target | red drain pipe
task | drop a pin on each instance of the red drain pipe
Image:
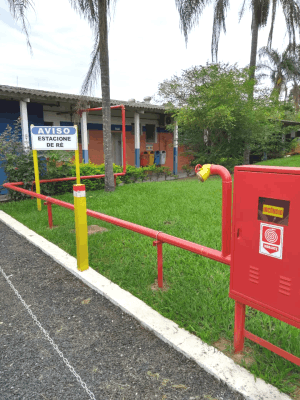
(226, 206)
(123, 129)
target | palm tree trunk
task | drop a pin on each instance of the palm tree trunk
(105, 87)
(253, 54)
(296, 95)
(254, 28)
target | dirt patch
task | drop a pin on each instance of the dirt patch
(155, 286)
(296, 395)
(93, 229)
(226, 346)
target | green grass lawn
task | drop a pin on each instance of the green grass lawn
(293, 161)
(197, 296)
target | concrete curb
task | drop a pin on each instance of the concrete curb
(207, 357)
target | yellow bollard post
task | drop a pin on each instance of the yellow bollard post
(37, 178)
(81, 227)
(77, 164)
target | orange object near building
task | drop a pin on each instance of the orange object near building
(144, 159)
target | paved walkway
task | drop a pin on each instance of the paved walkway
(113, 354)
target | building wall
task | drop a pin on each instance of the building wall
(164, 142)
(61, 114)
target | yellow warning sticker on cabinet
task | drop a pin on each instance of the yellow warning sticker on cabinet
(273, 211)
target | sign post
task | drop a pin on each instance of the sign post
(53, 138)
(77, 160)
(81, 227)
(37, 178)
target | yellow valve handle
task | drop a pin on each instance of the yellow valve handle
(204, 172)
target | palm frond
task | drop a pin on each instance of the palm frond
(93, 74)
(272, 55)
(291, 10)
(189, 13)
(18, 9)
(242, 10)
(88, 9)
(219, 24)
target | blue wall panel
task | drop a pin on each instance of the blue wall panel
(9, 113)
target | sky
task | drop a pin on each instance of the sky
(146, 46)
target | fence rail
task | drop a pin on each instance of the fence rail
(158, 236)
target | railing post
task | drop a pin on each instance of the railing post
(81, 227)
(158, 244)
(239, 327)
(49, 207)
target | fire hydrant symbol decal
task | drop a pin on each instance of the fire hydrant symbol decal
(271, 240)
(271, 235)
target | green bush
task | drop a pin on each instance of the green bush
(134, 174)
(16, 162)
(85, 170)
(227, 162)
(230, 162)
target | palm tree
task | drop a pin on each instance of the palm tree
(283, 68)
(190, 11)
(295, 91)
(96, 13)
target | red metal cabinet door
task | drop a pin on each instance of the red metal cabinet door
(257, 278)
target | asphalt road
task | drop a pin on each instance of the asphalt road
(112, 353)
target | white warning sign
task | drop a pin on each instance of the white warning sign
(54, 137)
(271, 240)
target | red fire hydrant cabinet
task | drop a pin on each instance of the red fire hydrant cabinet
(265, 267)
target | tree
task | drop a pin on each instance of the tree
(190, 11)
(217, 116)
(283, 68)
(96, 13)
(295, 91)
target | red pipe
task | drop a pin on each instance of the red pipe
(163, 237)
(226, 206)
(39, 196)
(100, 108)
(73, 178)
(124, 138)
(157, 235)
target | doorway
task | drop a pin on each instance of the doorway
(117, 148)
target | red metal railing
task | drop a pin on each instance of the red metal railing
(224, 256)
(158, 236)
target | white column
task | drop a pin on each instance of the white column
(137, 138)
(24, 124)
(175, 149)
(84, 138)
